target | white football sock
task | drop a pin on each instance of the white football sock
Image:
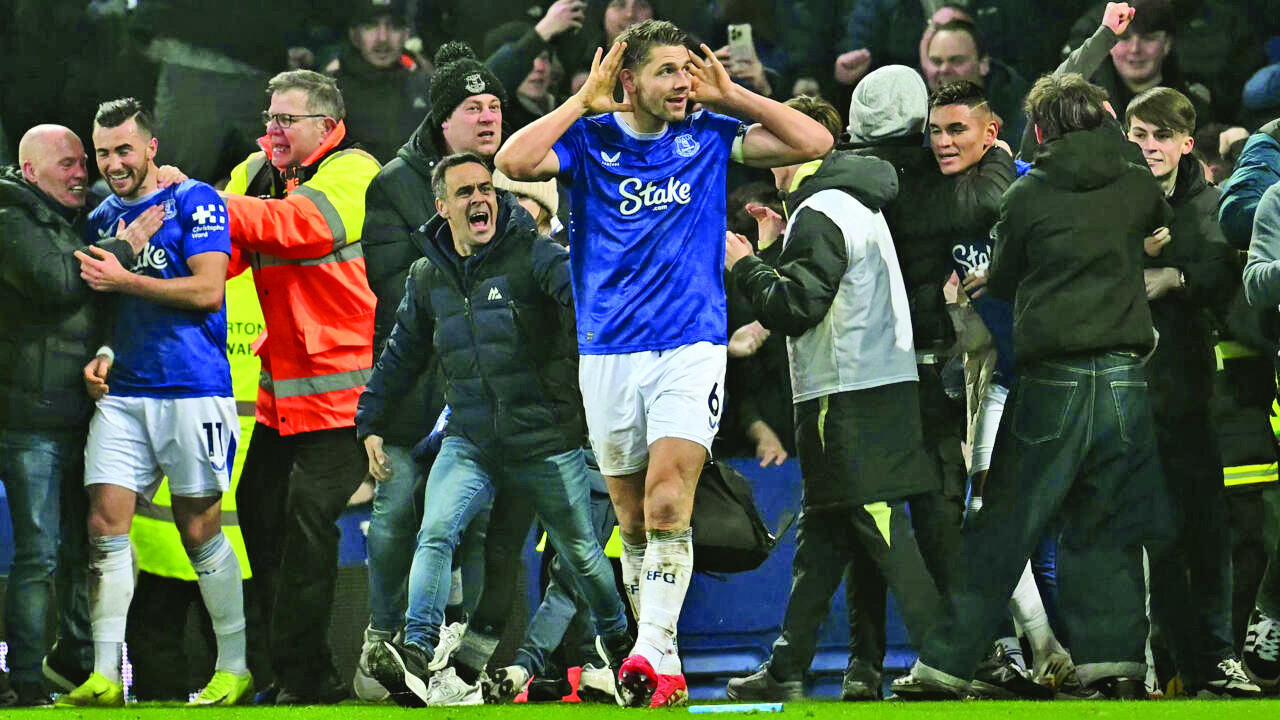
(632, 565)
(110, 592)
(1029, 613)
(664, 580)
(218, 573)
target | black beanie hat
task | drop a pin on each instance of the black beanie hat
(458, 76)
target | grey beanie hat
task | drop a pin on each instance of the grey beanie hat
(889, 102)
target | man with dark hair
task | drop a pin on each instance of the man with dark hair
(955, 52)
(1189, 275)
(648, 229)
(385, 92)
(525, 58)
(1077, 439)
(466, 116)
(294, 212)
(492, 298)
(54, 325)
(170, 410)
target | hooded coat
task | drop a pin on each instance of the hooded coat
(837, 293)
(887, 115)
(1068, 250)
(398, 201)
(501, 325)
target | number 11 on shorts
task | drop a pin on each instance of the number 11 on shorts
(209, 429)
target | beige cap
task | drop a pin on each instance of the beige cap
(545, 193)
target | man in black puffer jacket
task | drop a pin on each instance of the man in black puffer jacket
(1189, 274)
(53, 325)
(398, 202)
(492, 300)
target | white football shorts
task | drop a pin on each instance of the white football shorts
(633, 399)
(136, 441)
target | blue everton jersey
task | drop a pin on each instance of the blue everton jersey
(163, 351)
(646, 231)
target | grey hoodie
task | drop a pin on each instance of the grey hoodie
(889, 102)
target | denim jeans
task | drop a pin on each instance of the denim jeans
(43, 474)
(393, 524)
(1076, 445)
(463, 481)
(563, 607)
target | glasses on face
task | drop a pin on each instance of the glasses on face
(284, 120)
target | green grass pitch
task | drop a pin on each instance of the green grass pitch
(818, 710)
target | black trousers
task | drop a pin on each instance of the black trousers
(291, 493)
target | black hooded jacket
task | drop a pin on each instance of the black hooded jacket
(398, 201)
(1068, 250)
(54, 322)
(1181, 370)
(501, 324)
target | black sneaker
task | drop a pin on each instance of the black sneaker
(329, 691)
(999, 677)
(63, 670)
(8, 696)
(1110, 688)
(861, 682)
(402, 670)
(1261, 654)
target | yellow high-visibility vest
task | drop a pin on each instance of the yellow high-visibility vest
(154, 535)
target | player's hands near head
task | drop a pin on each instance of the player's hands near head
(379, 463)
(102, 271)
(596, 94)
(736, 247)
(1117, 17)
(711, 81)
(138, 233)
(95, 376)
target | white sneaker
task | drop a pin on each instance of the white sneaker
(450, 638)
(597, 684)
(446, 688)
(366, 687)
(1232, 681)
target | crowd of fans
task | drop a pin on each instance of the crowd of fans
(1002, 325)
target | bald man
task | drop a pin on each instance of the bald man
(51, 330)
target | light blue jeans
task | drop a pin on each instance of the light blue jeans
(463, 482)
(43, 474)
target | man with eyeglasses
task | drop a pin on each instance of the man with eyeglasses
(296, 210)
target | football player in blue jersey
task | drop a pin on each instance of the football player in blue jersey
(170, 410)
(647, 241)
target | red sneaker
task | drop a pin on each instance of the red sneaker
(672, 691)
(636, 681)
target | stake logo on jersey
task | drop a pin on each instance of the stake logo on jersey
(647, 231)
(163, 351)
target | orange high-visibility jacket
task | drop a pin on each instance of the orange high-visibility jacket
(301, 235)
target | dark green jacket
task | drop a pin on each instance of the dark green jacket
(52, 321)
(1068, 250)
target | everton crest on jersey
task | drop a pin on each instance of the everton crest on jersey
(163, 351)
(646, 231)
